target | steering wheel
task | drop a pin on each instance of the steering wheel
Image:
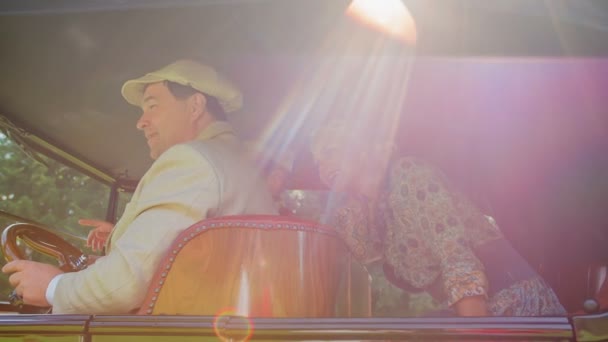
(43, 240)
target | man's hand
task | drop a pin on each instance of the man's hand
(92, 258)
(97, 237)
(30, 280)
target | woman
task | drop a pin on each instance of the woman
(429, 238)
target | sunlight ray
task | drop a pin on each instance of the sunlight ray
(360, 75)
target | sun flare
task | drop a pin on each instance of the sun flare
(388, 16)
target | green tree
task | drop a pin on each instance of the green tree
(47, 192)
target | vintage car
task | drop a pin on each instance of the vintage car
(507, 97)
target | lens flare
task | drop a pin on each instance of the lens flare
(230, 315)
(388, 16)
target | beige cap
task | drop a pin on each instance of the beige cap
(189, 73)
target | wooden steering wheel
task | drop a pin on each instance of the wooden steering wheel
(43, 240)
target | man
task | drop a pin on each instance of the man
(200, 171)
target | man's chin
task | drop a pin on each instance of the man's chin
(157, 151)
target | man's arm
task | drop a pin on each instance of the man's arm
(176, 192)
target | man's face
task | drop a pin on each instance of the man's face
(166, 120)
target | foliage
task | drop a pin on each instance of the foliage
(50, 193)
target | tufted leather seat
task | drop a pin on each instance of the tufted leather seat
(262, 266)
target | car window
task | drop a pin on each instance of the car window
(123, 199)
(41, 189)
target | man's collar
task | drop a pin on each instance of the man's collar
(214, 129)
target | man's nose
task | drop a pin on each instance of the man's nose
(142, 123)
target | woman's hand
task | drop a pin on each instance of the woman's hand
(97, 237)
(471, 306)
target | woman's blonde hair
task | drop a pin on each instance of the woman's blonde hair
(339, 131)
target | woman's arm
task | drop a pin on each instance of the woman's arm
(431, 215)
(471, 306)
(352, 223)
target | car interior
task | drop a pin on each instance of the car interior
(507, 97)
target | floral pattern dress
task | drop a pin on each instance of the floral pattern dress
(430, 238)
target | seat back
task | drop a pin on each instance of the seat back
(259, 266)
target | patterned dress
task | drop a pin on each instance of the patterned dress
(429, 238)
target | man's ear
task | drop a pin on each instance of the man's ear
(197, 105)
